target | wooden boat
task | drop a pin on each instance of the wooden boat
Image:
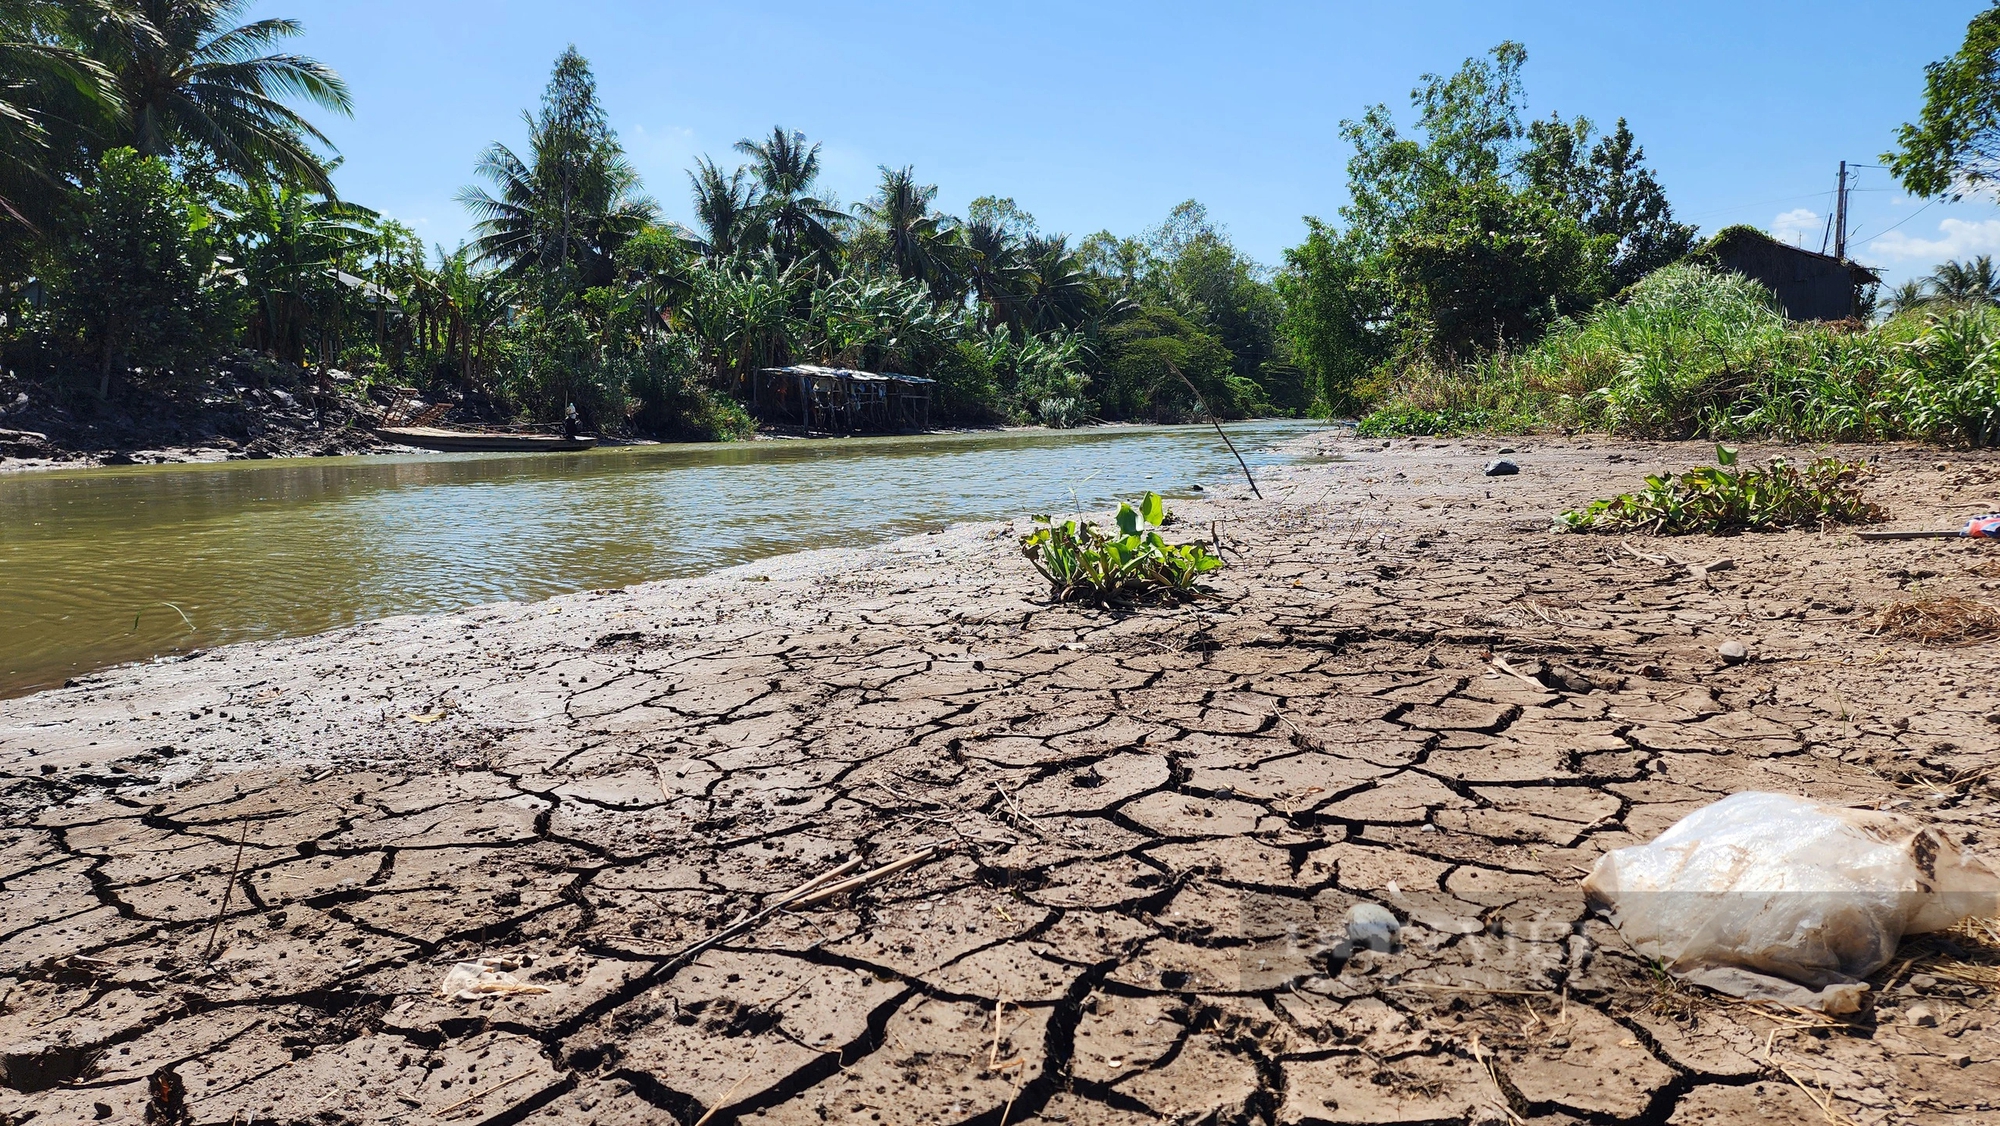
(438, 438)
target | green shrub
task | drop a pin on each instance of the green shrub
(131, 290)
(1403, 420)
(967, 387)
(1690, 351)
(1715, 499)
(1060, 413)
(673, 400)
(1084, 563)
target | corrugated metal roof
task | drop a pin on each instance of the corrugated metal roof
(822, 371)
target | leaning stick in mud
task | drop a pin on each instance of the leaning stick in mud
(1258, 493)
(228, 889)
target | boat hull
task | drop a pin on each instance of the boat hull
(466, 441)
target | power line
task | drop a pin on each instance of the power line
(1905, 219)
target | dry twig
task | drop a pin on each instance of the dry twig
(477, 1095)
(228, 890)
(1020, 818)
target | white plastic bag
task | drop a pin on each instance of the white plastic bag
(1785, 899)
(488, 977)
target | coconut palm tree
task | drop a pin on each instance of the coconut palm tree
(186, 72)
(916, 240)
(994, 270)
(724, 210)
(1907, 296)
(51, 95)
(564, 210)
(528, 227)
(1060, 294)
(1969, 283)
(800, 225)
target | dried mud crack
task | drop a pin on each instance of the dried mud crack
(1405, 691)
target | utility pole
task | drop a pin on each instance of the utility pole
(1840, 218)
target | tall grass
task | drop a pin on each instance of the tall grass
(1690, 351)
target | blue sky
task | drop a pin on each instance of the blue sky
(1106, 114)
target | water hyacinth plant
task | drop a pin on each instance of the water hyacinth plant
(1085, 563)
(1712, 500)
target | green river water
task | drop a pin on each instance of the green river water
(98, 567)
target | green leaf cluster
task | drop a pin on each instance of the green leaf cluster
(1134, 563)
(134, 273)
(1713, 500)
(1954, 145)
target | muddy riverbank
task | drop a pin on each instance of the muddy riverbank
(255, 867)
(252, 412)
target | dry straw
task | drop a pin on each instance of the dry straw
(1940, 621)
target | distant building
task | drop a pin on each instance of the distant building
(1809, 286)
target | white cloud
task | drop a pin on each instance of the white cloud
(1957, 238)
(1798, 225)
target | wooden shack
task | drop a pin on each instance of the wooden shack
(1809, 286)
(832, 400)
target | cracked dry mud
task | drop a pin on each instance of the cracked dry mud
(1136, 810)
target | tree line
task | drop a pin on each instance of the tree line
(166, 213)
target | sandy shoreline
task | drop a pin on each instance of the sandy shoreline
(1132, 810)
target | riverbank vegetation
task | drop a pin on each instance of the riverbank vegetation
(1691, 351)
(1576, 302)
(1713, 500)
(170, 234)
(169, 219)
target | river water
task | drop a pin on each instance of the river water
(104, 566)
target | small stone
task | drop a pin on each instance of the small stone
(1959, 1059)
(1373, 926)
(1504, 450)
(1922, 1016)
(1733, 652)
(1501, 467)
